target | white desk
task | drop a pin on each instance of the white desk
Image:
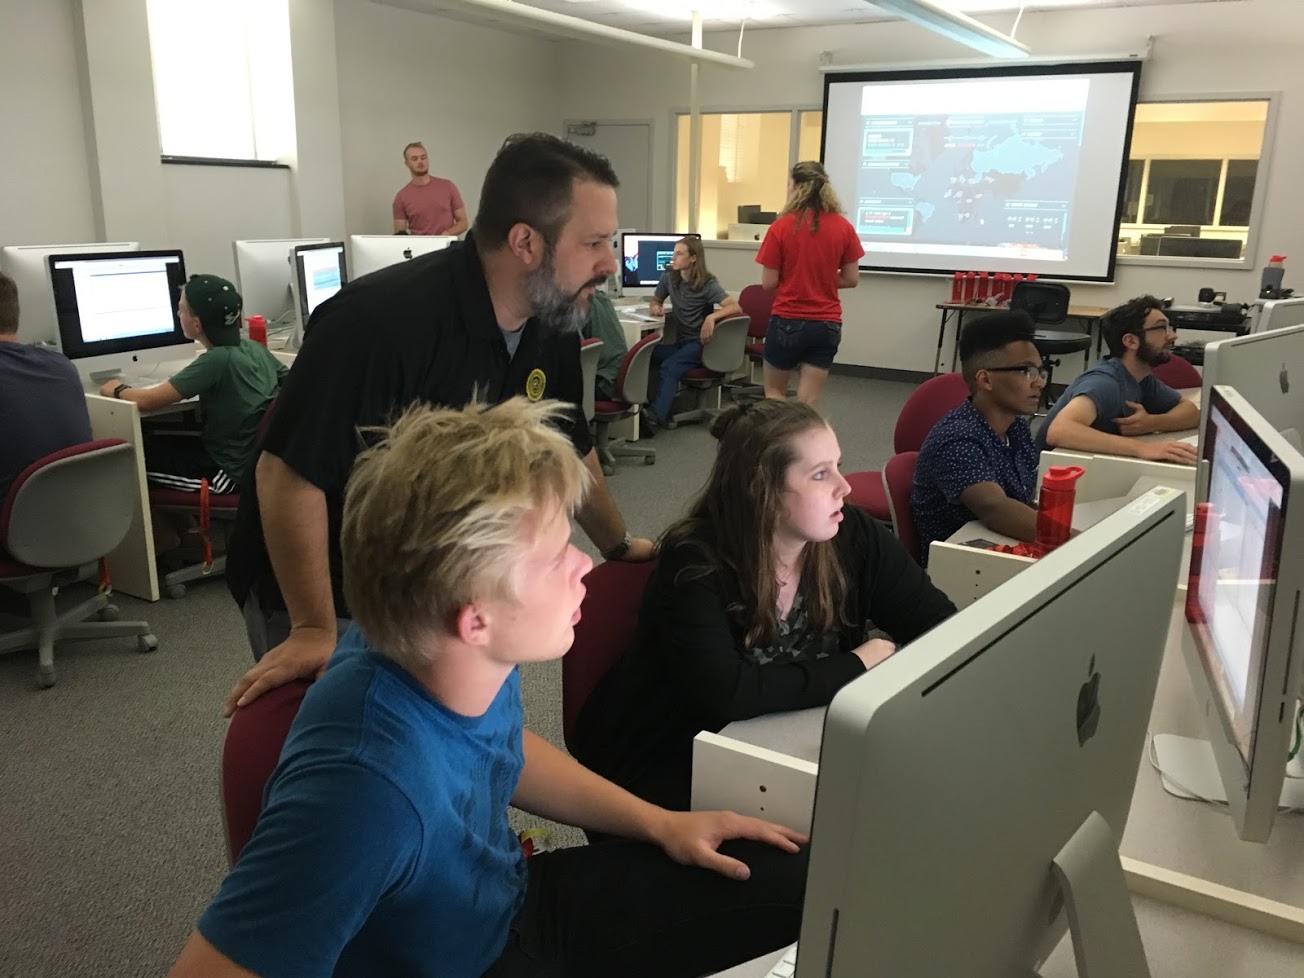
(1188, 837)
(132, 565)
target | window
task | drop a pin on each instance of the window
(222, 84)
(745, 159)
(1191, 178)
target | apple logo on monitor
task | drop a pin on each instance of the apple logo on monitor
(407, 254)
(1089, 705)
(1284, 379)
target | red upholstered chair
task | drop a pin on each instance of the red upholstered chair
(1177, 372)
(898, 477)
(605, 631)
(756, 303)
(721, 357)
(60, 516)
(925, 406)
(631, 394)
(249, 755)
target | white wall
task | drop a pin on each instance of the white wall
(43, 163)
(460, 88)
(1200, 49)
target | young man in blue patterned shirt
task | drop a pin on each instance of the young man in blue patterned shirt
(979, 462)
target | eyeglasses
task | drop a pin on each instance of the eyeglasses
(1029, 371)
(1165, 326)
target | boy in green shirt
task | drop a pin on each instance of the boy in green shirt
(235, 379)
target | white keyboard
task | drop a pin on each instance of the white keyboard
(785, 966)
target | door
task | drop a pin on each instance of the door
(628, 145)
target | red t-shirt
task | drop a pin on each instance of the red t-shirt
(428, 209)
(808, 264)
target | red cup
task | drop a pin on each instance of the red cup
(257, 329)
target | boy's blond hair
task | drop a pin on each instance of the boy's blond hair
(437, 514)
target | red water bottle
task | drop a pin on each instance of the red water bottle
(957, 287)
(1002, 291)
(1055, 507)
(970, 290)
(257, 329)
(982, 287)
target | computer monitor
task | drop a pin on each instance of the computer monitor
(319, 273)
(263, 273)
(371, 252)
(1242, 607)
(972, 780)
(643, 257)
(1268, 371)
(29, 267)
(118, 311)
(1278, 314)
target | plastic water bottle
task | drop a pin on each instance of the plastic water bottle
(257, 329)
(1055, 506)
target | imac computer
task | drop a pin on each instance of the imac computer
(973, 788)
(29, 267)
(643, 257)
(1242, 608)
(117, 312)
(319, 273)
(263, 273)
(1278, 314)
(371, 252)
(612, 287)
(1268, 371)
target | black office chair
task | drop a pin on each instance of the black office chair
(1048, 304)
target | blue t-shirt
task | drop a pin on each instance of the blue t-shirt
(383, 848)
(961, 451)
(1110, 387)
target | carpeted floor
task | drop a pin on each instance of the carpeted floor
(110, 826)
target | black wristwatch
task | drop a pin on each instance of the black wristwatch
(619, 550)
(117, 391)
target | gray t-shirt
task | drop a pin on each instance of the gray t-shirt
(1110, 387)
(691, 306)
(42, 406)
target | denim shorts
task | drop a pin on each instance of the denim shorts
(792, 342)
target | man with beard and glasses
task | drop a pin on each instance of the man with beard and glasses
(1107, 406)
(490, 318)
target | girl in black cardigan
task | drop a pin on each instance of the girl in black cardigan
(769, 596)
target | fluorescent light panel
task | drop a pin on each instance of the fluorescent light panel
(956, 26)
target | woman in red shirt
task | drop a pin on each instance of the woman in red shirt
(809, 253)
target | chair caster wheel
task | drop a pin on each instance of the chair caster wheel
(109, 612)
(45, 677)
(146, 643)
(608, 470)
(176, 591)
(649, 460)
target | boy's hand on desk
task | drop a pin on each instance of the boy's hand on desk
(109, 386)
(1177, 452)
(692, 838)
(655, 308)
(301, 656)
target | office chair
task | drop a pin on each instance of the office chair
(1177, 372)
(756, 303)
(608, 621)
(631, 394)
(590, 354)
(925, 406)
(252, 747)
(721, 357)
(1048, 304)
(898, 478)
(61, 515)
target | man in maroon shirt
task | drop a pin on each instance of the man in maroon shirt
(426, 204)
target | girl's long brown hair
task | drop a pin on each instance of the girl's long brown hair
(732, 521)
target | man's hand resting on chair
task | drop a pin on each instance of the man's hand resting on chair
(301, 656)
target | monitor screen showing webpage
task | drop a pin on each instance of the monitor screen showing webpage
(112, 303)
(1234, 584)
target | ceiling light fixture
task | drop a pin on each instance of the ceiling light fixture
(955, 25)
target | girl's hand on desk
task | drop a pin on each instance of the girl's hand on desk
(692, 838)
(874, 651)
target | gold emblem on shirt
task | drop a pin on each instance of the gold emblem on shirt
(535, 384)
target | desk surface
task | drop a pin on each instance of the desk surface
(1077, 312)
(1186, 836)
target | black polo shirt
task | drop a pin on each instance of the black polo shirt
(420, 331)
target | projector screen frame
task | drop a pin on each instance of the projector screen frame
(1003, 70)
